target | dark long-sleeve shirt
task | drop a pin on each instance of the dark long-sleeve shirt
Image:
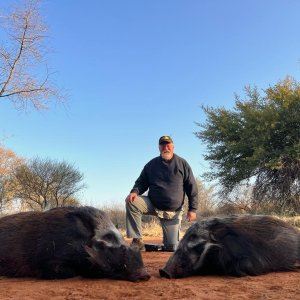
(168, 182)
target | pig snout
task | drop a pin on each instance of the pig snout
(164, 273)
(140, 275)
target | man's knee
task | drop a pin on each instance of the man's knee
(140, 205)
(132, 207)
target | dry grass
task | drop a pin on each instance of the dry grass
(150, 229)
(153, 228)
(295, 221)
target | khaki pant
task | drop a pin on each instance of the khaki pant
(170, 221)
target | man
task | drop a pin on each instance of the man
(167, 178)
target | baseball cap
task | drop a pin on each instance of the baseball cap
(165, 139)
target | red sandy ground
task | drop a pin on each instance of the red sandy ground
(283, 285)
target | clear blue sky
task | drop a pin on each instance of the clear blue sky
(135, 70)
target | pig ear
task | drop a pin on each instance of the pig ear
(217, 230)
(206, 249)
(95, 251)
(95, 247)
(91, 252)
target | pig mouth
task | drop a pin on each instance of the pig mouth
(172, 274)
(141, 277)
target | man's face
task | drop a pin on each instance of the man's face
(166, 150)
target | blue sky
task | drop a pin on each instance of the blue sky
(135, 70)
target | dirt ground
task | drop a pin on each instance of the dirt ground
(284, 285)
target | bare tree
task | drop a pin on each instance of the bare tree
(43, 184)
(206, 201)
(24, 75)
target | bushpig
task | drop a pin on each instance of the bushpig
(236, 246)
(66, 242)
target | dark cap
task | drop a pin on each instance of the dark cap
(165, 139)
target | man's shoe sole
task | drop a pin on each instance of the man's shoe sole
(157, 247)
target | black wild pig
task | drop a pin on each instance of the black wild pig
(235, 246)
(66, 242)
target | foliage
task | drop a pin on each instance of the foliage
(43, 184)
(8, 162)
(259, 140)
(24, 75)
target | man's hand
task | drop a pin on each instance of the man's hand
(131, 197)
(191, 216)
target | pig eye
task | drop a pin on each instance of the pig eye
(212, 237)
(109, 237)
(123, 267)
(193, 238)
(193, 241)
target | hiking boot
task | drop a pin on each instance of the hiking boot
(138, 243)
(169, 248)
(153, 247)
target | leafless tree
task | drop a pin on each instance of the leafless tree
(206, 201)
(24, 75)
(43, 184)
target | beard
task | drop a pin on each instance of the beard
(166, 155)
